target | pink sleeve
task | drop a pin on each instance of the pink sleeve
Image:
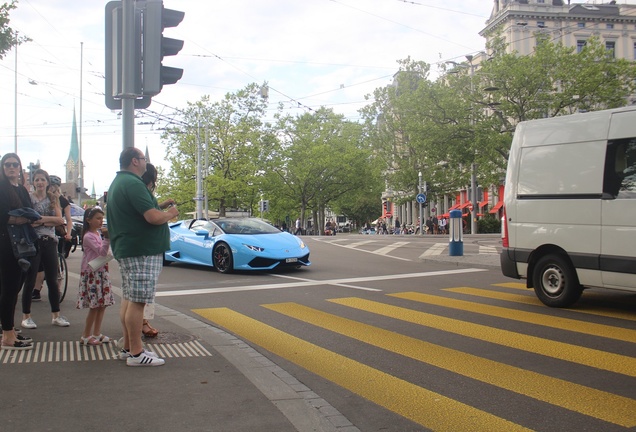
(94, 246)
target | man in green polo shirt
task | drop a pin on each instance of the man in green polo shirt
(139, 236)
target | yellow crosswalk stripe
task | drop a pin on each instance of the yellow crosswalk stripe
(515, 285)
(429, 409)
(563, 351)
(596, 403)
(577, 326)
(532, 300)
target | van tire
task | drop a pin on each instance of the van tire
(555, 281)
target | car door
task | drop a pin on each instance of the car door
(618, 254)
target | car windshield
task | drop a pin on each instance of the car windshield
(245, 226)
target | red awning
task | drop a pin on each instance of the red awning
(483, 203)
(454, 207)
(466, 204)
(496, 208)
(445, 215)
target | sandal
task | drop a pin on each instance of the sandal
(151, 331)
(102, 338)
(91, 340)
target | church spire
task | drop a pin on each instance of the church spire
(74, 153)
(73, 162)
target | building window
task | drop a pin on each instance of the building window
(609, 26)
(634, 50)
(580, 25)
(611, 47)
(541, 24)
(540, 1)
(580, 44)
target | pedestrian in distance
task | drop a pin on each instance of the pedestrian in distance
(397, 226)
(139, 237)
(299, 231)
(13, 196)
(95, 292)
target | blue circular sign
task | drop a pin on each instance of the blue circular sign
(420, 198)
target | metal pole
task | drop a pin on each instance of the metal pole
(81, 164)
(207, 171)
(199, 197)
(15, 101)
(128, 74)
(473, 175)
(473, 198)
(419, 176)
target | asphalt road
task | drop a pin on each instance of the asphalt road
(398, 338)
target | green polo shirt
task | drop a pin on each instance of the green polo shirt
(130, 234)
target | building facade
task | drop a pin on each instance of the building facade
(572, 24)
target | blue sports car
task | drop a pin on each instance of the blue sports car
(229, 244)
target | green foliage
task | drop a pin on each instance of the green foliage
(488, 224)
(8, 37)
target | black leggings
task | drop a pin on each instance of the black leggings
(47, 256)
(11, 280)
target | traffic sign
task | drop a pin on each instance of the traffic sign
(388, 214)
(421, 198)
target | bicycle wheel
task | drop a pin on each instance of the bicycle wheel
(62, 276)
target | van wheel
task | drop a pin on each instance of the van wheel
(555, 282)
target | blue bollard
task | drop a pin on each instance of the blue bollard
(455, 234)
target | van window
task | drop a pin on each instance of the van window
(620, 169)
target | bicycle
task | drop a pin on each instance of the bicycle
(62, 275)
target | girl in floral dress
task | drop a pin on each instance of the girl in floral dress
(94, 289)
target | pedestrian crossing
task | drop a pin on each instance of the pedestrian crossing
(379, 247)
(513, 356)
(74, 351)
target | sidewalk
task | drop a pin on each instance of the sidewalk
(489, 260)
(211, 381)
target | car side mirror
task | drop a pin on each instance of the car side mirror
(202, 233)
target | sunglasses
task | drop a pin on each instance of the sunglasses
(12, 164)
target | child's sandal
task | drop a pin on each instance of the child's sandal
(102, 338)
(91, 340)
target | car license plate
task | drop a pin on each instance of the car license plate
(291, 260)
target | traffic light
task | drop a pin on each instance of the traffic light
(386, 207)
(264, 205)
(32, 168)
(155, 47)
(113, 44)
(105, 197)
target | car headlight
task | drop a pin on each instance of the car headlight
(254, 248)
(301, 244)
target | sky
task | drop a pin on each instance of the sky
(312, 53)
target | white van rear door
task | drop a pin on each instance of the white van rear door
(618, 214)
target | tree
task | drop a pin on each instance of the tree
(8, 37)
(234, 139)
(320, 158)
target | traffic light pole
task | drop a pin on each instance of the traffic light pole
(128, 73)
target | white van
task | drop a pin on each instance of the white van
(570, 205)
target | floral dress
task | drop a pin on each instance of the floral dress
(95, 290)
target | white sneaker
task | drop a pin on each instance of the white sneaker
(29, 324)
(124, 354)
(60, 321)
(144, 359)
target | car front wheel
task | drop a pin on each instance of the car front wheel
(222, 258)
